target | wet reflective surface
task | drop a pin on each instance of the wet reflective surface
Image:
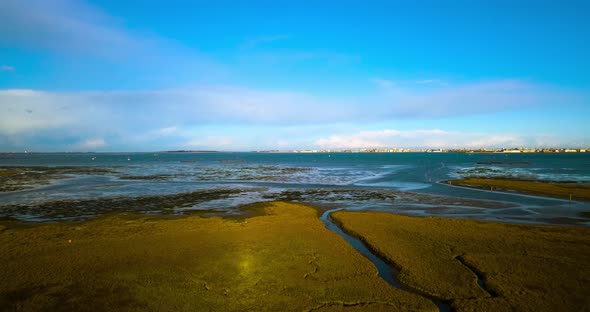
(53, 187)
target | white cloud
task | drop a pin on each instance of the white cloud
(93, 143)
(26, 111)
(166, 131)
(158, 109)
(471, 98)
(429, 138)
(147, 116)
(214, 141)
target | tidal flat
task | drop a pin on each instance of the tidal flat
(17, 178)
(479, 265)
(282, 259)
(563, 190)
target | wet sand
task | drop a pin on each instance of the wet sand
(552, 189)
(482, 266)
(283, 258)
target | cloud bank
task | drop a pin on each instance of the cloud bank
(93, 143)
(231, 104)
(431, 138)
(173, 117)
(140, 116)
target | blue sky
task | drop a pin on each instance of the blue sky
(242, 75)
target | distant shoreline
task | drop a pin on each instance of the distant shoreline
(552, 151)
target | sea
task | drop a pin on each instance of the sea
(405, 183)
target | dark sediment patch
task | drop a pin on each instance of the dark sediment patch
(156, 177)
(416, 198)
(327, 195)
(22, 178)
(76, 208)
(573, 221)
(315, 195)
(73, 209)
(506, 163)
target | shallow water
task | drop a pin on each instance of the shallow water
(397, 182)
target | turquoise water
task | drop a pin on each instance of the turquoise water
(398, 182)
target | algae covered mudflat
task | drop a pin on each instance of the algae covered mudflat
(482, 266)
(572, 191)
(284, 259)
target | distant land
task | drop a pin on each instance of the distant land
(428, 150)
(190, 151)
(362, 150)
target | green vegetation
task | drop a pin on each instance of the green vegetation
(284, 259)
(519, 267)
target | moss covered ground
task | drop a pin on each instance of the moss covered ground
(482, 266)
(281, 260)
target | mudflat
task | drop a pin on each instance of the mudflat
(574, 191)
(482, 266)
(282, 259)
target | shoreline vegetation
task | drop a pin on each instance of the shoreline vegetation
(282, 257)
(561, 190)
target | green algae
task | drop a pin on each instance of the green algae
(564, 190)
(284, 259)
(482, 266)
